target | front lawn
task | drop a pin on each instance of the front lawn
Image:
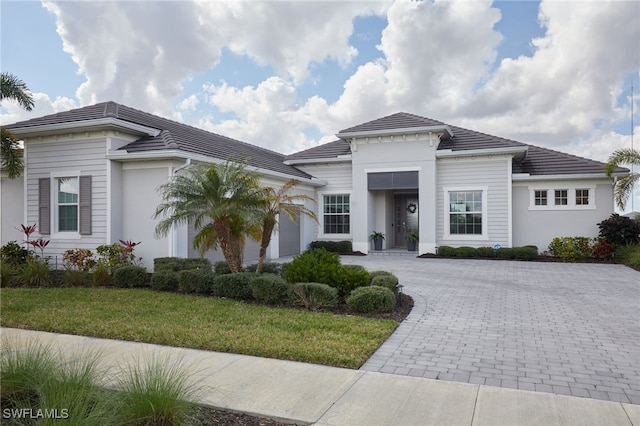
(197, 322)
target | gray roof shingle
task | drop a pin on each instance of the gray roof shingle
(538, 161)
(173, 135)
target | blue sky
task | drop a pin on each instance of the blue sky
(289, 75)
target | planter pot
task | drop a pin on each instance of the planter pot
(412, 245)
(377, 244)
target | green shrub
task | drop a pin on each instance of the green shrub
(174, 264)
(197, 263)
(525, 253)
(9, 275)
(388, 281)
(485, 252)
(633, 260)
(199, 281)
(315, 295)
(164, 280)
(271, 289)
(446, 251)
(101, 275)
(12, 253)
(372, 299)
(267, 268)
(571, 248)
(319, 266)
(283, 268)
(348, 279)
(234, 286)
(374, 274)
(130, 277)
(221, 268)
(629, 255)
(465, 251)
(341, 247)
(620, 230)
(75, 278)
(506, 253)
(35, 273)
(80, 259)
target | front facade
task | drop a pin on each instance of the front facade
(91, 177)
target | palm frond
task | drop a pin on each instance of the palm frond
(12, 88)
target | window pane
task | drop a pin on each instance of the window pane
(582, 197)
(561, 198)
(68, 190)
(465, 212)
(67, 218)
(336, 214)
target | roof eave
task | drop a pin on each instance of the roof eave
(523, 177)
(95, 124)
(440, 128)
(173, 154)
(338, 159)
(519, 152)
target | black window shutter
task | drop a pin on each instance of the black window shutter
(44, 206)
(85, 205)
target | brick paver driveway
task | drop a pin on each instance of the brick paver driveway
(571, 329)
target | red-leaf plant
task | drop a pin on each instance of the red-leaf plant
(28, 230)
(40, 243)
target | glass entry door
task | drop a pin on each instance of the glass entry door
(406, 217)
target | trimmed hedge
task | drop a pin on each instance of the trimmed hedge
(165, 280)
(130, 277)
(197, 281)
(342, 247)
(221, 267)
(315, 295)
(234, 286)
(374, 274)
(176, 264)
(271, 289)
(267, 268)
(519, 253)
(372, 299)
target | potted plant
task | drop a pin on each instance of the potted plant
(377, 238)
(412, 240)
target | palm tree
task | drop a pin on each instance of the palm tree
(12, 88)
(278, 202)
(221, 201)
(624, 185)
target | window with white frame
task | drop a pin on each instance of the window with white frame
(582, 197)
(67, 201)
(465, 213)
(561, 197)
(540, 197)
(336, 214)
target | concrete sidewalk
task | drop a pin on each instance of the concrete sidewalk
(313, 394)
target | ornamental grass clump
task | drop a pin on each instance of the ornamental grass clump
(315, 295)
(155, 392)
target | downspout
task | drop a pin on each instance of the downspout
(174, 230)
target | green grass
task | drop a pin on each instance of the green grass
(197, 322)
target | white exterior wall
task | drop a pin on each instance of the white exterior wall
(59, 155)
(339, 179)
(411, 152)
(536, 226)
(492, 175)
(140, 198)
(11, 209)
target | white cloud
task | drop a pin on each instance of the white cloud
(43, 105)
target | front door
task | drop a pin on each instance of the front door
(406, 217)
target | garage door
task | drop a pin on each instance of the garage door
(289, 236)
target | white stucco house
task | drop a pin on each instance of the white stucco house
(91, 177)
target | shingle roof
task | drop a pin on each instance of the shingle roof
(328, 150)
(173, 135)
(539, 161)
(399, 120)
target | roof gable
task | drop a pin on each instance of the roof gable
(172, 136)
(400, 120)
